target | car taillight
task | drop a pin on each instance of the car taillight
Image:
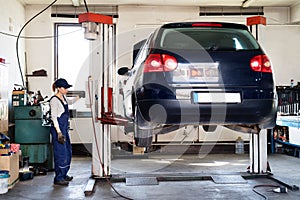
(261, 63)
(160, 63)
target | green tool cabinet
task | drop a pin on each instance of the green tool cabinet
(33, 138)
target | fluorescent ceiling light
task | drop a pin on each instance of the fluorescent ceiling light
(76, 2)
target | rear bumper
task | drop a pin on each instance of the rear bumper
(183, 112)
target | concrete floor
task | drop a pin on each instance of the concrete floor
(284, 167)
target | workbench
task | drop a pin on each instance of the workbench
(286, 135)
(32, 136)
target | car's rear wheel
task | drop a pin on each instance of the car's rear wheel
(142, 137)
(209, 128)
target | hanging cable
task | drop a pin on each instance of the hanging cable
(19, 35)
(39, 37)
(86, 7)
(97, 145)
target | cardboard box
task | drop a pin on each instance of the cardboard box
(3, 125)
(138, 150)
(11, 164)
(4, 151)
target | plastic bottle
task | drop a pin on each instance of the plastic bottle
(292, 83)
(4, 176)
(39, 96)
(239, 146)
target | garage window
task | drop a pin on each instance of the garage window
(72, 52)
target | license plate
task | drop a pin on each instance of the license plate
(216, 97)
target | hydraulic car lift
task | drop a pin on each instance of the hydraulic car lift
(258, 142)
(101, 28)
(104, 116)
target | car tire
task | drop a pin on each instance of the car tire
(209, 128)
(142, 137)
(143, 142)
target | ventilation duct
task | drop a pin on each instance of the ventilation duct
(73, 12)
(230, 11)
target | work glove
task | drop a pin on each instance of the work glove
(61, 138)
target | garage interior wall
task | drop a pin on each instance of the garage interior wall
(295, 13)
(12, 18)
(40, 52)
(136, 22)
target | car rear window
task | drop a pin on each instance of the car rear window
(211, 39)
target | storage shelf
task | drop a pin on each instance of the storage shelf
(31, 75)
(11, 125)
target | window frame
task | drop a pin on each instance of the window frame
(56, 53)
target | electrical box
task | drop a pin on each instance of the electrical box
(19, 98)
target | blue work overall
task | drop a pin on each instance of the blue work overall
(62, 152)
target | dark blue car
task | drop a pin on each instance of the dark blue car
(199, 73)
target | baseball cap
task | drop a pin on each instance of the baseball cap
(62, 83)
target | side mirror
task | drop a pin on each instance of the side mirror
(123, 71)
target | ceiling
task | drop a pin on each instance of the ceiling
(250, 3)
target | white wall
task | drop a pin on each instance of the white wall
(295, 13)
(277, 15)
(12, 15)
(279, 39)
(40, 51)
(281, 44)
(137, 22)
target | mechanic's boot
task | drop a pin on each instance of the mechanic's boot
(62, 182)
(69, 178)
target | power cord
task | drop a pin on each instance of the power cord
(97, 145)
(86, 7)
(278, 189)
(19, 35)
(39, 37)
